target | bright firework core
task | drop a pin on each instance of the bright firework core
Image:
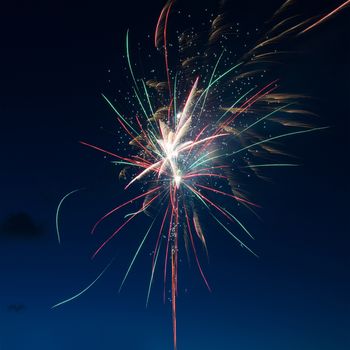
(177, 179)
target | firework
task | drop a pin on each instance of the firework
(214, 118)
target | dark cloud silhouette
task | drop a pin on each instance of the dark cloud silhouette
(20, 225)
(16, 307)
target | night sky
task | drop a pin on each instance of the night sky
(56, 60)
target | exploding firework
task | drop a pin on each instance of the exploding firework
(213, 118)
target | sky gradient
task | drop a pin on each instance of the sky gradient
(57, 59)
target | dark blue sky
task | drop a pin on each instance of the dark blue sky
(55, 61)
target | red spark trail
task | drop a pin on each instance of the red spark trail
(135, 139)
(324, 18)
(210, 202)
(203, 174)
(121, 206)
(246, 105)
(157, 26)
(120, 227)
(227, 194)
(211, 168)
(110, 153)
(173, 294)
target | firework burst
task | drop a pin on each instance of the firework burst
(214, 118)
